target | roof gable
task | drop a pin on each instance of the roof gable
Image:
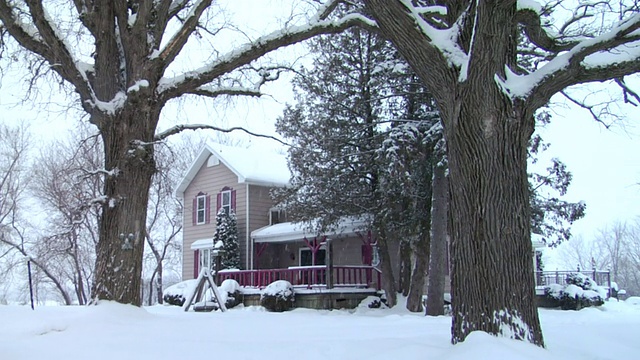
(252, 166)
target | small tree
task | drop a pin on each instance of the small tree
(227, 233)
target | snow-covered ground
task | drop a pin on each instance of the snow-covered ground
(113, 331)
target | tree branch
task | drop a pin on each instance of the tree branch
(175, 45)
(172, 88)
(629, 94)
(178, 128)
(611, 55)
(534, 31)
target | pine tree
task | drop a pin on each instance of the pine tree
(357, 94)
(227, 234)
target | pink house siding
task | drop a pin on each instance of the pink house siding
(210, 181)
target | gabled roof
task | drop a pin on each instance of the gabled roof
(254, 166)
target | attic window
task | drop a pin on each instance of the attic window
(212, 161)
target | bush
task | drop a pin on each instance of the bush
(177, 294)
(580, 292)
(230, 291)
(278, 296)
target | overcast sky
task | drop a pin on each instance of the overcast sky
(605, 163)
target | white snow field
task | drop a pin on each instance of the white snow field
(112, 331)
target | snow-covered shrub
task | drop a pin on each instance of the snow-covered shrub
(177, 294)
(581, 280)
(278, 296)
(230, 289)
(372, 302)
(580, 292)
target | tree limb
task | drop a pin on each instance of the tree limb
(533, 29)
(178, 128)
(172, 88)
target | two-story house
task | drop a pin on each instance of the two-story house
(270, 248)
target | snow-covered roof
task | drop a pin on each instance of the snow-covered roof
(285, 232)
(254, 165)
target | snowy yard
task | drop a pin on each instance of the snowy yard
(112, 331)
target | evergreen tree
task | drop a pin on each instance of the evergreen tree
(227, 235)
(357, 94)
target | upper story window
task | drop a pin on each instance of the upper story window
(226, 201)
(277, 216)
(201, 209)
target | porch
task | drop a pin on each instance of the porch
(309, 277)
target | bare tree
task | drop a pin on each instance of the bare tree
(65, 188)
(164, 217)
(469, 55)
(120, 58)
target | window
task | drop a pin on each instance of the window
(277, 216)
(201, 209)
(205, 259)
(226, 201)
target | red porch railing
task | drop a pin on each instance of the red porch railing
(309, 276)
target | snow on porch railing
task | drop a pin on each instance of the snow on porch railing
(309, 276)
(543, 278)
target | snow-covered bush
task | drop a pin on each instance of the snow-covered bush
(372, 302)
(230, 291)
(177, 294)
(580, 291)
(278, 296)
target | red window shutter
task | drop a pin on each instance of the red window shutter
(233, 200)
(196, 263)
(194, 213)
(207, 209)
(218, 202)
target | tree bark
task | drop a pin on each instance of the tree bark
(437, 261)
(418, 277)
(129, 157)
(387, 277)
(487, 136)
(404, 278)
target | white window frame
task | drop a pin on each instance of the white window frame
(205, 258)
(226, 207)
(201, 200)
(300, 250)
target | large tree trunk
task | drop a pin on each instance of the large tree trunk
(129, 158)
(492, 275)
(487, 136)
(438, 258)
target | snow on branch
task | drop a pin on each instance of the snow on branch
(611, 55)
(178, 128)
(43, 38)
(244, 55)
(445, 40)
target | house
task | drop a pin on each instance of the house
(270, 247)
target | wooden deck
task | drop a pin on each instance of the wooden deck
(308, 277)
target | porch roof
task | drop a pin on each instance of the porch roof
(289, 231)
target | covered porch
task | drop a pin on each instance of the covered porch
(343, 258)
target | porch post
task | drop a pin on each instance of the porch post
(329, 259)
